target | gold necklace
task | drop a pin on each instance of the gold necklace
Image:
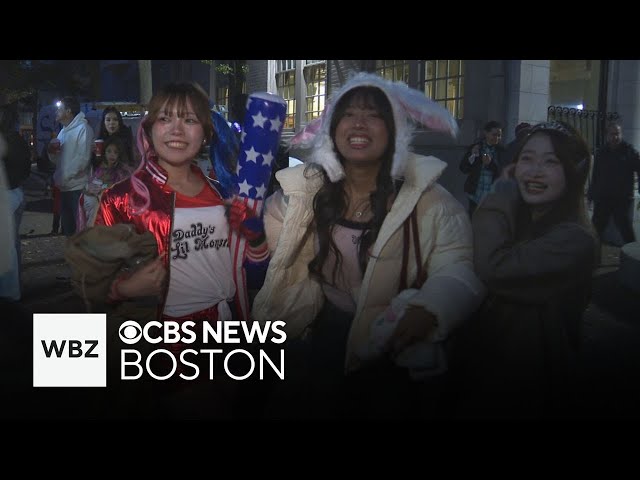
(364, 205)
(362, 211)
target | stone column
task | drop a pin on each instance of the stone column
(144, 69)
(527, 93)
(624, 97)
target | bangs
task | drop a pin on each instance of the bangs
(370, 98)
(175, 98)
(366, 97)
(178, 102)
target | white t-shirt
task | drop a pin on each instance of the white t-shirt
(344, 294)
(200, 271)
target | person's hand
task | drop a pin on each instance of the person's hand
(508, 172)
(243, 220)
(144, 282)
(54, 146)
(415, 326)
(475, 150)
(486, 159)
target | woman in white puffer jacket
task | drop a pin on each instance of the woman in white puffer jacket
(336, 234)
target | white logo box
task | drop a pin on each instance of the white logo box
(76, 343)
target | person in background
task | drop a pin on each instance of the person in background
(611, 189)
(16, 335)
(113, 168)
(72, 161)
(46, 166)
(56, 207)
(9, 291)
(111, 125)
(17, 164)
(521, 131)
(6, 217)
(535, 250)
(336, 230)
(482, 164)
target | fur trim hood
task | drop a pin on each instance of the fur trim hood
(410, 107)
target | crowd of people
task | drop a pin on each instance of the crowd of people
(397, 301)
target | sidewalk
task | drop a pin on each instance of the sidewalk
(611, 322)
(44, 270)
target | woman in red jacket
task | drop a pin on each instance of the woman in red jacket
(196, 276)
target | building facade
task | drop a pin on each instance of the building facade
(583, 92)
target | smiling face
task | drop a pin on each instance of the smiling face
(177, 136)
(361, 133)
(539, 172)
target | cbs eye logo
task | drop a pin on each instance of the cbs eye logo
(130, 332)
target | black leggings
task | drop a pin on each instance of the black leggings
(618, 209)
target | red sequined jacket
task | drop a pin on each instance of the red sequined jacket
(115, 207)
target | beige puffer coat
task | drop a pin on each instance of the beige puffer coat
(452, 291)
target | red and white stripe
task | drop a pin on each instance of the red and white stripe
(238, 252)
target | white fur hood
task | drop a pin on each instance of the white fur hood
(409, 107)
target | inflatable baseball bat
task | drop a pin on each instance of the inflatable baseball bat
(259, 142)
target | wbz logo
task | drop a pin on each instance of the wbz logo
(69, 350)
(74, 349)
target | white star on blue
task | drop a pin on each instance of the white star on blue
(259, 144)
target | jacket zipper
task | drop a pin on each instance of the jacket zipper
(168, 253)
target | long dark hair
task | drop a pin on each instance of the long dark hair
(103, 130)
(330, 202)
(123, 152)
(575, 157)
(124, 132)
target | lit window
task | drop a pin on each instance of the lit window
(315, 76)
(444, 83)
(394, 70)
(286, 83)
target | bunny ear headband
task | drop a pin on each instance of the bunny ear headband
(423, 110)
(410, 107)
